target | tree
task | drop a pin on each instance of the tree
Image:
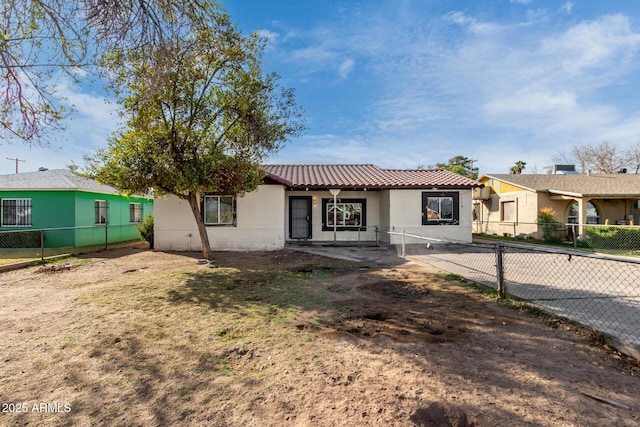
(633, 157)
(202, 116)
(518, 167)
(602, 158)
(460, 165)
(41, 38)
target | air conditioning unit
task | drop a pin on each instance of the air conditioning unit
(481, 193)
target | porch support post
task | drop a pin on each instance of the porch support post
(582, 215)
(335, 192)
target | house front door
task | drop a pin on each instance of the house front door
(299, 217)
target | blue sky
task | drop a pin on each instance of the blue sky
(416, 82)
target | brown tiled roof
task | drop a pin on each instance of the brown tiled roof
(574, 184)
(364, 176)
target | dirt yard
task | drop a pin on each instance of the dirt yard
(134, 337)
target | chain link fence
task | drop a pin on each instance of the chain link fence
(599, 291)
(20, 246)
(620, 239)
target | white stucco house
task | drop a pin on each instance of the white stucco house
(323, 203)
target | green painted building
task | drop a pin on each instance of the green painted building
(74, 211)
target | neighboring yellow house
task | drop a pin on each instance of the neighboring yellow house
(509, 203)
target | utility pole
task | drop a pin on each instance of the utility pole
(17, 160)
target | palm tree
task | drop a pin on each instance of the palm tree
(518, 167)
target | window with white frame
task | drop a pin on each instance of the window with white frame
(347, 214)
(16, 212)
(101, 211)
(508, 211)
(219, 210)
(440, 208)
(135, 212)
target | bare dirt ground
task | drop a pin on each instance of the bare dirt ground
(134, 337)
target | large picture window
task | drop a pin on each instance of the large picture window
(219, 210)
(348, 214)
(101, 211)
(440, 208)
(16, 212)
(135, 212)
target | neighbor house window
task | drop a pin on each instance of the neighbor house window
(592, 213)
(219, 210)
(476, 212)
(135, 212)
(346, 214)
(16, 212)
(508, 211)
(440, 208)
(101, 211)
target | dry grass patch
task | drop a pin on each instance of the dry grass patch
(137, 338)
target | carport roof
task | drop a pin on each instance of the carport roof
(365, 176)
(576, 185)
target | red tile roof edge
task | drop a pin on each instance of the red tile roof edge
(364, 176)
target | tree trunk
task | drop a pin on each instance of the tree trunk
(192, 198)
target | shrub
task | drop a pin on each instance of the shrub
(146, 230)
(547, 220)
(623, 237)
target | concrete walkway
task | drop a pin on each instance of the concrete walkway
(382, 255)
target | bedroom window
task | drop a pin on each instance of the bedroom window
(508, 209)
(16, 212)
(135, 212)
(440, 208)
(219, 210)
(101, 211)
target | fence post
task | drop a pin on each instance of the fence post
(402, 243)
(377, 241)
(106, 237)
(499, 271)
(42, 246)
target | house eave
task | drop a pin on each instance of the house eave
(570, 195)
(377, 187)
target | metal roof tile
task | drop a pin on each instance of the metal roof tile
(364, 176)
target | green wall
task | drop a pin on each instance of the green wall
(76, 209)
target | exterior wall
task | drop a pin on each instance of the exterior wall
(73, 209)
(406, 214)
(48, 208)
(529, 204)
(385, 216)
(119, 229)
(373, 215)
(259, 224)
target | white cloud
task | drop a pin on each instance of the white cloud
(532, 103)
(607, 42)
(271, 37)
(472, 24)
(346, 67)
(567, 7)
